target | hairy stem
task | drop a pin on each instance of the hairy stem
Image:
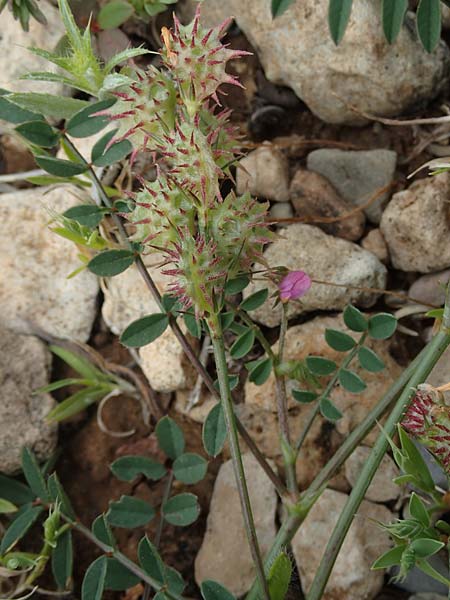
(434, 351)
(227, 405)
(187, 348)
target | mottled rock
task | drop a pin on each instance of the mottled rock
(313, 196)
(165, 364)
(264, 173)
(16, 155)
(440, 375)
(416, 226)
(225, 556)
(364, 72)
(374, 242)
(18, 60)
(382, 488)
(325, 258)
(35, 263)
(351, 577)
(199, 411)
(445, 16)
(357, 175)
(127, 298)
(430, 289)
(24, 367)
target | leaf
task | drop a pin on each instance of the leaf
(193, 325)
(390, 558)
(382, 326)
(181, 510)
(425, 547)
(59, 167)
(255, 300)
(78, 363)
(170, 437)
(129, 512)
(226, 319)
(338, 340)
(243, 344)
(111, 262)
(125, 55)
(57, 493)
(329, 410)
(99, 147)
(127, 468)
(14, 114)
(15, 491)
(83, 123)
(88, 215)
(338, 16)
(7, 507)
(280, 577)
(62, 560)
(113, 154)
(235, 286)
(351, 382)
(76, 403)
(151, 561)
(278, 7)
(33, 475)
(114, 14)
(354, 319)
(259, 370)
(94, 580)
(320, 366)
(304, 396)
(56, 107)
(418, 510)
(39, 133)
(429, 23)
(393, 14)
(211, 590)
(20, 526)
(102, 531)
(190, 468)
(118, 577)
(370, 361)
(416, 463)
(214, 431)
(145, 330)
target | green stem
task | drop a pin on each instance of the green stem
(293, 521)
(434, 350)
(238, 467)
(186, 346)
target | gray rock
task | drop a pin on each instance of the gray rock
(351, 577)
(357, 175)
(24, 367)
(363, 72)
(374, 242)
(313, 196)
(224, 555)
(35, 263)
(445, 16)
(430, 289)
(382, 488)
(264, 173)
(281, 210)
(427, 595)
(416, 226)
(417, 582)
(18, 60)
(325, 258)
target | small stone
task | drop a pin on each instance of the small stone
(225, 555)
(24, 367)
(326, 258)
(374, 242)
(313, 196)
(281, 210)
(35, 264)
(127, 298)
(416, 226)
(111, 42)
(199, 411)
(18, 60)
(430, 289)
(16, 155)
(445, 16)
(357, 175)
(264, 173)
(363, 73)
(351, 577)
(382, 488)
(165, 364)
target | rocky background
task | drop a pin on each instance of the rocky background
(366, 228)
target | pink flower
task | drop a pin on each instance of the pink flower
(294, 285)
